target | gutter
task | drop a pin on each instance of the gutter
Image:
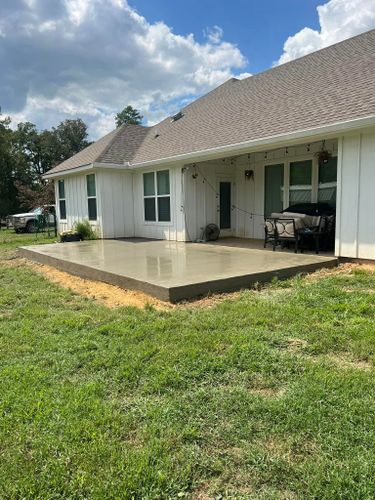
(70, 171)
(85, 168)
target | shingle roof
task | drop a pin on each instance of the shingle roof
(328, 86)
(116, 147)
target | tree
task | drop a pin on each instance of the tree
(36, 196)
(26, 154)
(129, 115)
(70, 138)
(37, 152)
(40, 151)
(12, 169)
(8, 192)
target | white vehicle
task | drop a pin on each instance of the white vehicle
(28, 222)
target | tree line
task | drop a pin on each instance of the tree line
(27, 153)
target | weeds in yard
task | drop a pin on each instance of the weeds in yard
(243, 399)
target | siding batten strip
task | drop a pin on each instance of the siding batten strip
(358, 193)
(340, 152)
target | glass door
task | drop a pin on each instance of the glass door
(273, 188)
(300, 182)
(225, 205)
(327, 184)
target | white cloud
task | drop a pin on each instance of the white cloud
(90, 58)
(77, 10)
(214, 34)
(338, 19)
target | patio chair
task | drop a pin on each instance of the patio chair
(287, 232)
(281, 231)
(322, 236)
(270, 232)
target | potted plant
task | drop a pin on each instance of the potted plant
(67, 236)
(323, 155)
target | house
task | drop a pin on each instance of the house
(246, 149)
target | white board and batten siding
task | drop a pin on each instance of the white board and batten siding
(355, 228)
(76, 203)
(173, 230)
(116, 196)
(120, 205)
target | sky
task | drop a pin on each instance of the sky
(90, 58)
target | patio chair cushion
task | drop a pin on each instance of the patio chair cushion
(293, 215)
(285, 229)
(270, 226)
(302, 220)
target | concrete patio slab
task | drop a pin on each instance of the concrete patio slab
(170, 270)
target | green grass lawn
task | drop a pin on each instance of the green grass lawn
(268, 395)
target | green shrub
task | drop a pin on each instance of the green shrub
(85, 230)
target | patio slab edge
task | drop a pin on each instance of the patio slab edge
(236, 283)
(175, 293)
(91, 273)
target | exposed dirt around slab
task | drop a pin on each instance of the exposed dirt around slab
(346, 268)
(112, 296)
(109, 295)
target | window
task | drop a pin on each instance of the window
(91, 196)
(327, 184)
(300, 182)
(62, 202)
(156, 193)
(273, 189)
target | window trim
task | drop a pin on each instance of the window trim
(287, 162)
(61, 199)
(91, 198)
(156, 197)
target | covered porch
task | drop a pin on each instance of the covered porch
(237, 193)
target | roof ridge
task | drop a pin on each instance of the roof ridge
(130, 133)
(308, 55)
(117, 131)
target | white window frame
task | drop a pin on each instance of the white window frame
(156, 196)
(314, 175)
(91, 198)
(61, 199)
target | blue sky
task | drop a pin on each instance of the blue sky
(90, 58)
(258, 28)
